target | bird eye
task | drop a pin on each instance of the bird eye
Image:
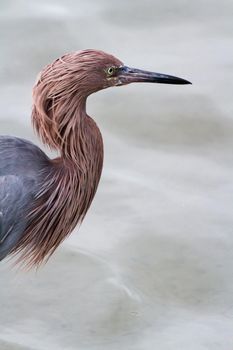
(110, 71)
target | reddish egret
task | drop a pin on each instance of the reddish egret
(43, 199)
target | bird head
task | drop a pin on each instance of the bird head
(102, 70)
(108, 71)
(90, 70)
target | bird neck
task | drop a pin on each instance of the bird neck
(69, 182)
(63, 125)
(81, 148)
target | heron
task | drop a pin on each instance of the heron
(42, 200)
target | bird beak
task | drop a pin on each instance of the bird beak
(127, 75)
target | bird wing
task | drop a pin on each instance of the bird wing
(15, 198)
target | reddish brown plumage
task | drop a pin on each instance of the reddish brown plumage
(60, 119)
(59, 116)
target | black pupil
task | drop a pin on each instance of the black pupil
(110, 70)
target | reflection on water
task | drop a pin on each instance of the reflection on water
(151, 267)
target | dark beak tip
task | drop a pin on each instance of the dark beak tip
(180, 81)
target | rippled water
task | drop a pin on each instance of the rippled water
(152, 265)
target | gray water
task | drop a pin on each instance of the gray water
(152, 265)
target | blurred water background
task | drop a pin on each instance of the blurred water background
(152, 265)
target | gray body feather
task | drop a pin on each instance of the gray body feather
(22, 165)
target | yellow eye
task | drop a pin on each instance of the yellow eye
(111, 71)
